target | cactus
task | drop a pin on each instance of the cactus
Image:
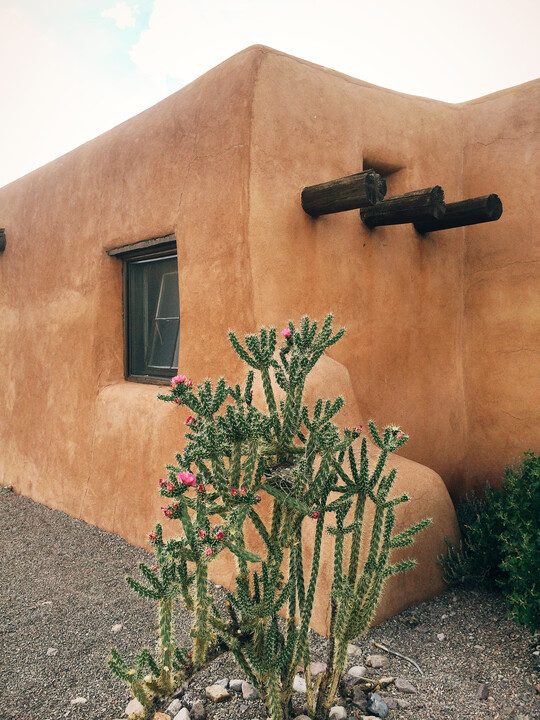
(313, 473)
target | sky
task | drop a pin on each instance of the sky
(72, 69)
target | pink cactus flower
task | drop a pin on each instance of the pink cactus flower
(315, 514)
(190, 420)
(358, 428)
(167, 511)
(189, 382)
(174, 505)
(234, 491)
(170, 486)
(154, 568)
(399, 435)
(219, 535)
(187, 478)
(201, 488)
(286, 332)
(152, 536)
(208, 552)
(202, 533)
(243, 491)
(178, 380)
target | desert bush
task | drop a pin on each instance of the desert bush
(308, 471)
(500, 545)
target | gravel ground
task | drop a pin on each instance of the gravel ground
(62, 586)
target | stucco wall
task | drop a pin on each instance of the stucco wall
(441, 331)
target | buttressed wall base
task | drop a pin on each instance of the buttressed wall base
(442, 329)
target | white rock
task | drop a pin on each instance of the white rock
(317, 668)
(217, 693)
(299, 684)
(117, 627)
(224, 682)
(357, 671)
(236, 685)
(441, 636)
(134, 707)
(174, 708)
(353, 649)
(377, 661)
(78, 701)
(249, 692)
(52, 651)
(182, 715)
(337, 713)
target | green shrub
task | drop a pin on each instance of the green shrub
(500, 544)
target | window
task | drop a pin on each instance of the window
(151, 309)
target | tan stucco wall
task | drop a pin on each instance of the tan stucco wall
(441, 330)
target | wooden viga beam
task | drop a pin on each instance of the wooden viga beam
(2, 239)
(347, 193)
(412, 207)
(487, 208)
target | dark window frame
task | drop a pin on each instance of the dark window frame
(156, 248)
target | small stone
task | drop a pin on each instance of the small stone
(243, 707)
(52, 651)
(174, 708)
(249, 692)
(337, 713)
(161, 716)
(198, 711)
(78, 701)
(299, 684)
(537, 688)
(353, 649)
(423, 629)
(441, 636)
(403, 704)
(224, 682)
(359, 699)
(391, 702)
(482, 693)
(117, 627)
(404, 686)
(235, 685)
(217, 693)
(377, 661)
(376, 705)
(357, 671)
(134, 707)
(182, 714)
(317, 668)
(302, 717)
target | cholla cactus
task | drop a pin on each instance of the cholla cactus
(234, 454)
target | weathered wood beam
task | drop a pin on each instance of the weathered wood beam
(2, 239)
(487, 208)
(347, 193)
(414, 206)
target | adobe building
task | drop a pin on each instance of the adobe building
(443, 328)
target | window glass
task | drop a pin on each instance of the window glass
(153, 316)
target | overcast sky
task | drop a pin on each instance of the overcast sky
(72, 69)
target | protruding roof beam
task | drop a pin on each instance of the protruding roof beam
(415, 206)
(2, 239)
(487, 208)
(347, 193)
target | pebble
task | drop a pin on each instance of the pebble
(391, 702)
(249, 692)
(537, 686)
(359, 699)
(236, 685)
(198, 711)
(224, 682)
(353, 649)
(377, 661)
(317, 668)
(482, 692)
(337, 713)
(376, 705)
(174, 708)
(183, 714)
(402, 704)
(161, 716)
(302, 717)
(404, 686)
(422, 629)
(117, 627)
(78, 701)
(217, 693)
(52, 651)
(357, 671)
(441, 636)
(133, 707)
(299, 684)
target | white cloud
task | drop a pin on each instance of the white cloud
(122, 14)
